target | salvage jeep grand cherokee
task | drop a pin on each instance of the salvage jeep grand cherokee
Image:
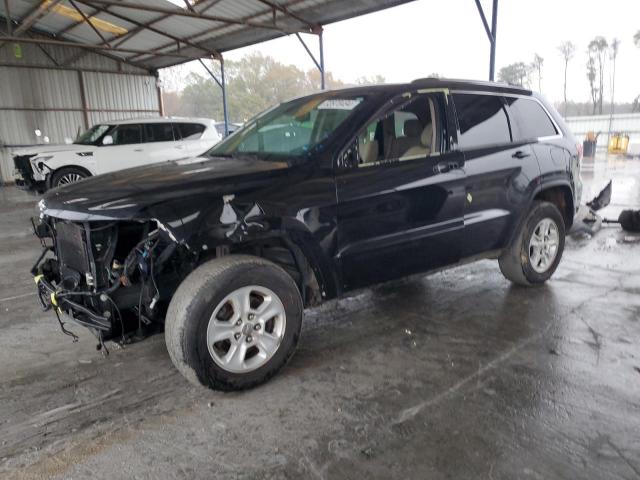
(311, 199)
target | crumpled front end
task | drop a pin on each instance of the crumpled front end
(113, 277)
(27, 175)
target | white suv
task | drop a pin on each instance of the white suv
(112, 146)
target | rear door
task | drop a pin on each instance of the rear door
(400, 202)
(160, 145)
(499, 171)
(535, 126)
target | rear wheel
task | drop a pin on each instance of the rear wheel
(68, 175)
(536, 251)
(233, 322)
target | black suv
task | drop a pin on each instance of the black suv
(311, 199)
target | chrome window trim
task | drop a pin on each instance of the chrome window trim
(408, 95)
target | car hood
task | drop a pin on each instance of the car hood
(49, 149)
(142, 192)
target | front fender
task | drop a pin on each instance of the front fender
(236, 224)
(71, 159)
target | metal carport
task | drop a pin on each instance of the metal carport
(153, 34)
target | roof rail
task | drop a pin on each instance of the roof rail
(459, 82)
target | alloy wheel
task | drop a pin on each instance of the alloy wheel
(68, 178)
(543, 245)
(246, 329)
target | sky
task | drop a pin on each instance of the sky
(447, 37)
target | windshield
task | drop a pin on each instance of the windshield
(91, 136)
(291, 129)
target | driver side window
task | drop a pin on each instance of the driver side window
(407, 132)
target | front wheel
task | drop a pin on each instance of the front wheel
(233, 322)
(536, 251)
(67, 176)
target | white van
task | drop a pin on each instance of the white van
(112, 146)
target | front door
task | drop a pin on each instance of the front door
(401, 198)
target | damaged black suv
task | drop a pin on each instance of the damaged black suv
(311, 199)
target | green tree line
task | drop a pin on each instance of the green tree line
(254, 83)
(601, 62)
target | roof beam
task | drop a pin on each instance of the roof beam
(86, 20)
(103, 48)
(34, 15)
(127, 36)
(7, 13)
(71, 26)
(147, 26)
(287, 12)
(208, 7)
(211, 30)
(44, 51)
(188, 13)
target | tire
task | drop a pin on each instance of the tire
(67, 176)
(191, 330)
(520, 262)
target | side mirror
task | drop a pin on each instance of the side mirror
(107, 140)
(350, 156)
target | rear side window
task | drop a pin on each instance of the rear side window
(532, 120)
(483, 120)
(158, 132)
(189, 131)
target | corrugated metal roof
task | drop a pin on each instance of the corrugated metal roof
(158, 33)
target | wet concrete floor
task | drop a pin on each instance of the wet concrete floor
(454, 375)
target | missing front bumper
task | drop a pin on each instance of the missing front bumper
(50, 298)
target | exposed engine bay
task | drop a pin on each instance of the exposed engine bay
(113, 277)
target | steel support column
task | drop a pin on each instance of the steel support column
(491, 34)
(223, 86)
(494, 31)
(319, 64)
(322, 80)
(83, 100)
(224, 98)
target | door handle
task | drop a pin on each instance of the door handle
(138, 150)
(520, 154)
(444, 167)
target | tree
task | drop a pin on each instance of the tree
(537, 66)
(515, 74)
(567, 49)
(598, 49)
(254, 83)
(591, 76)
(615, 45)
(636, 102)
(374, 80)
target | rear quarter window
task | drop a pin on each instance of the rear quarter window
(482, 120)
(533, 122)
(190, 131)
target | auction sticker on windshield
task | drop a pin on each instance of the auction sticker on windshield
(340, 104)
